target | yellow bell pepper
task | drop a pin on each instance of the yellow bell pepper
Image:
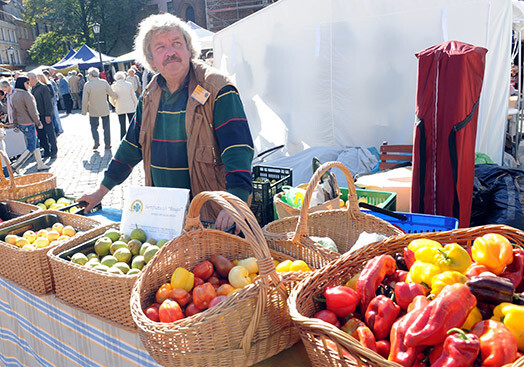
(421, 272)
(473, 317)
(183, 278)
(352, 282)
(512, 316)
(446, 278)
(493, 251)
(427, 254)
(453, 257)
(423, 242)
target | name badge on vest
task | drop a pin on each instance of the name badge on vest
(200, 94)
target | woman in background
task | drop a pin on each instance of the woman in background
(126, 102)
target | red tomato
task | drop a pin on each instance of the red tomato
(170, 311)
(215, 301)
(162, 293)
(180, 295)
(191, 309)
(204, 270)
(198, 281)
(203, 294)
(152, 312)
(225, 289)
(328, 316)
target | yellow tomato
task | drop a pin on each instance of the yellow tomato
(284, 266)
(298, 265)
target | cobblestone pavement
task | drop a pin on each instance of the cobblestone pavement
(79, 168)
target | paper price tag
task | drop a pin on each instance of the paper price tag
(159, 211)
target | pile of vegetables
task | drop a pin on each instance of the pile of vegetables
(436, 305)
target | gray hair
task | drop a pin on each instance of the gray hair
(59, 75)
(158, 24)
(31, 75)
(4, 83)
(93, 72)
(120, 75)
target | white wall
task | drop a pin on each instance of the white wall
(344, 72)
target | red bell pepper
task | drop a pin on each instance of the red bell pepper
(498, 346)
(409, 257)
(475, 270)
(366, 338)
(460, 350)
(351, 326)
(380, 315)
(396, 277)
(328, 316)
(448, 310)
(406, 292)
(515, 270)
(341, 300)
(400, 352)
(383, 348)
(371, 276)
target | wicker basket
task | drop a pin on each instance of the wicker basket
(103, 294)
(314, 332)
(22, 186)
(31, 269)
(344, 226)
(20, 208)
(250, 326)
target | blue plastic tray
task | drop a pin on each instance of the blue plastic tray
(417, 223)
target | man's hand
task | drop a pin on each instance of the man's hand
(48, 119)
(224, 221)
(93, 198)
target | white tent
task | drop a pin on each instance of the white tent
(344, 72)
(130, 56)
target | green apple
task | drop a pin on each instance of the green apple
(109, 260)
(92, 255)
(102, 246)
(150, 252)
(115, 270)
(113, 234)
(133, 271)
(138, 262)
(116, 245)
(161, 242)
(143, 248)
(124, 268)
(134, 246)
(101, 267)
(123, 255)
(79, 258)
(124, 238)
(138, 234)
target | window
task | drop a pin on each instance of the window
(190, 14)
(170, 7)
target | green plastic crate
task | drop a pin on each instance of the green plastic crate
(382, 199)
(55, 194)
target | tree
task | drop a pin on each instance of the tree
(71, 20)
(48, 48)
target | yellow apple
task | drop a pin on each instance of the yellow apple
(29, 247)
(30, 236)
(49, 202)
(58, 227)
(11, 239)
(63, 201)
(41, 206)
(68, 231)
(52, 235)
(250, 264)
(41, 242)
(21, 242)
(41, 233)
(63, 238)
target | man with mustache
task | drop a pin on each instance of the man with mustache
(189, 128)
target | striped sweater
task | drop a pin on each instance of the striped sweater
(169, 165)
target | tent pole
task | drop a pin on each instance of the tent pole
(519, 100)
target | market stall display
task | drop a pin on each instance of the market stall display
(453, 301)
(291, 235)
(31, 268)
(21, 186)
(249, 326)
(105, 290)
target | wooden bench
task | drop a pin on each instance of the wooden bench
(392, 156)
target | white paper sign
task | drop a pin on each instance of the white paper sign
(159, 211)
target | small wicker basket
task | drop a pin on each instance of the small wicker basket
(20, 208)
(31, 269)
(250, 326)
(22, 186)
(103, 294)
(291, 235)
(315, 333)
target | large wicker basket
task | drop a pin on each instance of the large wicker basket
(103, 294)
(314, 332)
(22, 186)
(291, 235)
(251, 325)
(31, 269)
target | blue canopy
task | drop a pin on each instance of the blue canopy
(85, 58)
(68, 56)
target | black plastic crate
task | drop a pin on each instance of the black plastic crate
(267, 182)
(55, 194)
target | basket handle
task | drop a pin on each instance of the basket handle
(3, 156)
(301, 230)
(248, 224)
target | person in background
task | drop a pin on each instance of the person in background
(126, 102)
(133, 79)
(63, 91)
(44, 104)
(94, 102)
(57, 123)
(189, 129)
(81, 83)
(25, 118)
(74, 89)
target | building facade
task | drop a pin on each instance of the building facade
(16, 37)
(213, 15)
